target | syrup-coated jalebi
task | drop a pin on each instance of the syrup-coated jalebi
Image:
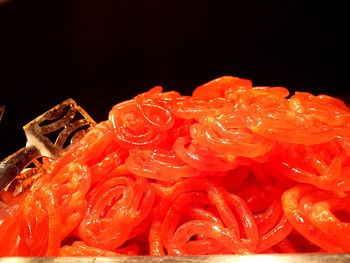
(232, 169)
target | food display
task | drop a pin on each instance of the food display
(232, 169)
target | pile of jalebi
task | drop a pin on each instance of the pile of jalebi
(232, 169)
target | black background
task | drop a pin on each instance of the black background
(102, 52)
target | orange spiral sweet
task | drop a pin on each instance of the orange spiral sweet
(232, 169)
